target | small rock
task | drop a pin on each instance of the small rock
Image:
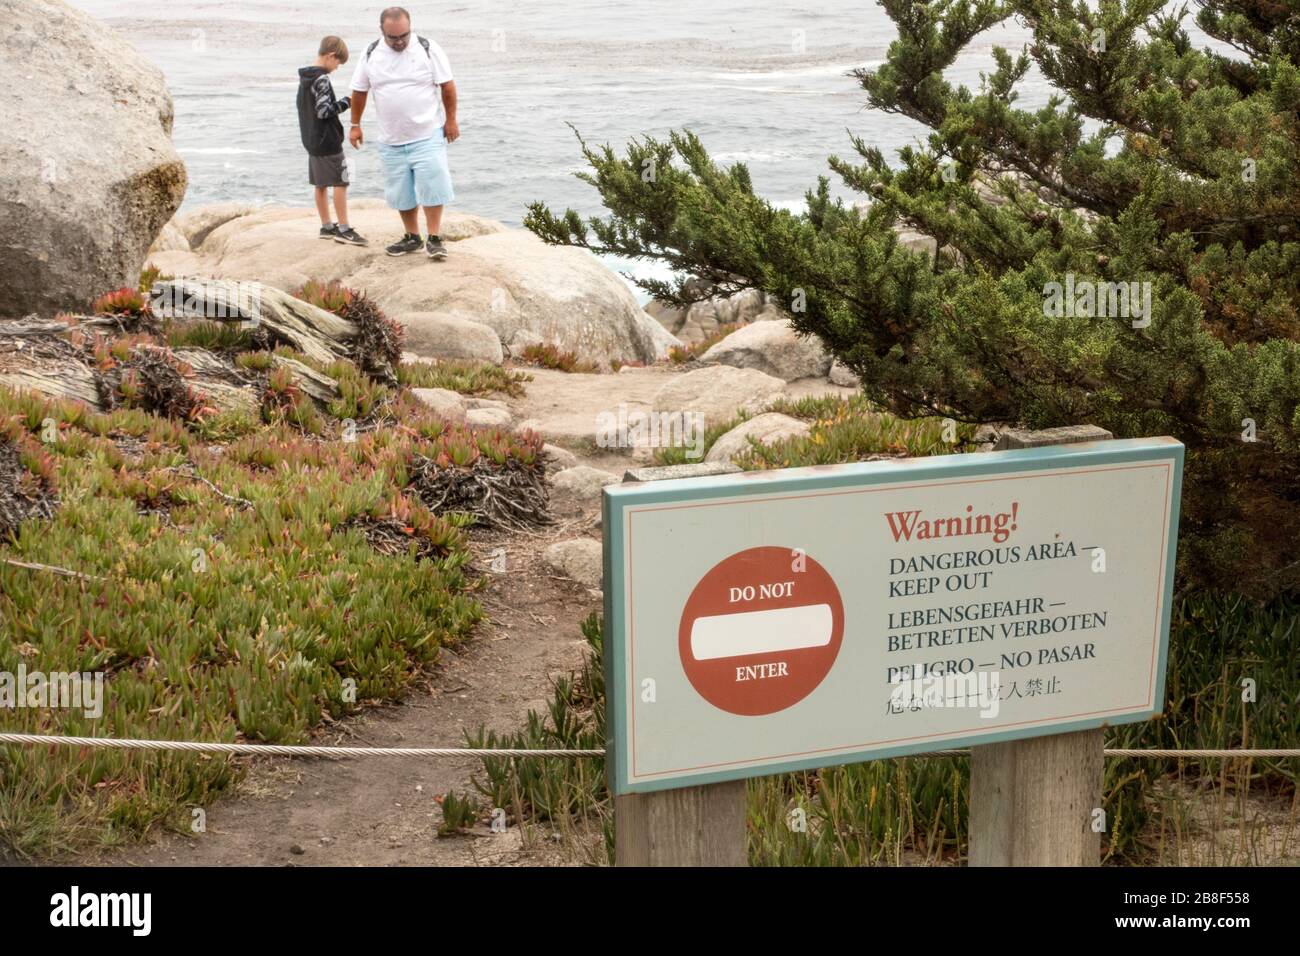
(986, 437)
(521, 340)
(579, 559)
(297, 850)
(582, 482)
(717, 392)
(452, 334)
(843, 376)
(444, 402)
(556, 457)
(473, 402)
(766, 429)
(488, 417)
(772, 347)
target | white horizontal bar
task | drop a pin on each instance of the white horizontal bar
(761, 632)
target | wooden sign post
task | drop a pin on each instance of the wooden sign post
(689, 826)
(1032, 801)
(764, 622)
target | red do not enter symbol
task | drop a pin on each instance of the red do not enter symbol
(761, 630)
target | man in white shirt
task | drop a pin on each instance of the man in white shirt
(415, 102)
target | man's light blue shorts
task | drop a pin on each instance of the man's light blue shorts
(416, 174)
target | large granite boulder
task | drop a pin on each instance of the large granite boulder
(90, 174)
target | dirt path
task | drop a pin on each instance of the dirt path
(380, 811)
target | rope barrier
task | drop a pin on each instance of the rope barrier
(279, 750)
(303, 750)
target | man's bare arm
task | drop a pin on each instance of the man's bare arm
(355, 136)
(451, 129)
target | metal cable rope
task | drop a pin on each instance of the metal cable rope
(278, 750)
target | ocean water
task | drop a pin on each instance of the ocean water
(760, 81)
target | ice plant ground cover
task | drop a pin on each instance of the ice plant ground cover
(239, 577)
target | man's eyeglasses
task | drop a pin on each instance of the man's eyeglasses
(398, 39)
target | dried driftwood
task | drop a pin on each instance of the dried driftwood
(63, 380)
(317, 334)
(512, 496)
(36, 354)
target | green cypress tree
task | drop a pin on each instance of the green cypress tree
(1156, 160)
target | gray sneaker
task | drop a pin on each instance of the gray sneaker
(435, 248)
(329, 232)
(349, 236)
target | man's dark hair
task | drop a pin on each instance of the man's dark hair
(393, 13)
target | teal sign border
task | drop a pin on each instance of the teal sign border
(617, 498)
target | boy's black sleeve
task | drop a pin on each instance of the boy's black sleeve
(326, 105)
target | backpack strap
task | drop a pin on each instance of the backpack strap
(423, 42)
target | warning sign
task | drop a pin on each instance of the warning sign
(761, 630)
(790, 619)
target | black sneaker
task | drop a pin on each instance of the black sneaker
(401, 247)
(329, 232)
(349, 236)
(435, 248)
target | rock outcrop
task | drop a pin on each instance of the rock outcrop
(502, 278)
(701, 319)
(90, 174)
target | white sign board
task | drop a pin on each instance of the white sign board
(779, 620)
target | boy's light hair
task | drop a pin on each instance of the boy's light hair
(334, 45)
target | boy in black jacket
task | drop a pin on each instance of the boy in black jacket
(322, 135)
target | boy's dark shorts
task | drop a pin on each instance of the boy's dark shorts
(328, 170)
